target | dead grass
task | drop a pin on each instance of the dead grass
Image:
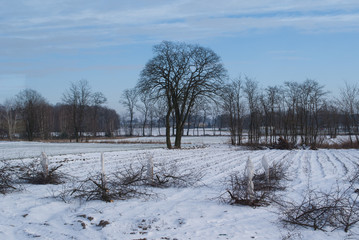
(340, 145)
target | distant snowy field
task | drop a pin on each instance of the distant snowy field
(186, 140)
(176, 213)
(19, 150)
(212, 139)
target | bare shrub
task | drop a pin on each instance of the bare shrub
(92, 188)
(238, 193)
(34, 173)
(313, 146)
(348, 213)
(314, 211)
(264, 187)
(121, 185)
(336, 209)
(7, 181)
(169, 175)
(291, 236)
(277, 173)
(282, 144)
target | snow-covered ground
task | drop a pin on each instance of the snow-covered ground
(186, 140)
(213, 139)
(19, 150)
(176, 213)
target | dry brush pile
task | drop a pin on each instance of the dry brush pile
(337, 208)
(255, 189)
(38, 171)
(330, 210)
(7, 179)
(133, 181)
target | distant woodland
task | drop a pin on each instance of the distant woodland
(182, 89)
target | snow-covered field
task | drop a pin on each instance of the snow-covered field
(186, 140)
(213, 139)
(176, 213)
(19, 150)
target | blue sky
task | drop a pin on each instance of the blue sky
(46, 45)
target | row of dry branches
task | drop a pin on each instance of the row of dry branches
(255, 188)
(135, 180)
(12, 176)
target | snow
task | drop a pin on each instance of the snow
(10, 150)
(186, 140)
(175, 213)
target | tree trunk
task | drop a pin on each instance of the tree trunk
(131, 126)
(144, 126)
(168, 130)
(179, 130)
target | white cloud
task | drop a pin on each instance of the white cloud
(66, 24)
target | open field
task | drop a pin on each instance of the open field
(20, 150)
(174, 213)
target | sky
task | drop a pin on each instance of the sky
(46, 45)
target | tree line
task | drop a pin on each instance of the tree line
(186, 79)
(182, 88)
(81, 113)
(301, 113)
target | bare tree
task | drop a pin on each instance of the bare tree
(29, 102)
(145, 108)
(129, 100)
(270, 101)
(98, 98)
(78, 97)
(292, 94)
(45, 120)
(62, 120)
(251, 91)
(108, 121)
(234, 108)
(10, 116)
(349, 104)
(331, 117)
(181, 73)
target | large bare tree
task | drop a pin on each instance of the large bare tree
(181, 73)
